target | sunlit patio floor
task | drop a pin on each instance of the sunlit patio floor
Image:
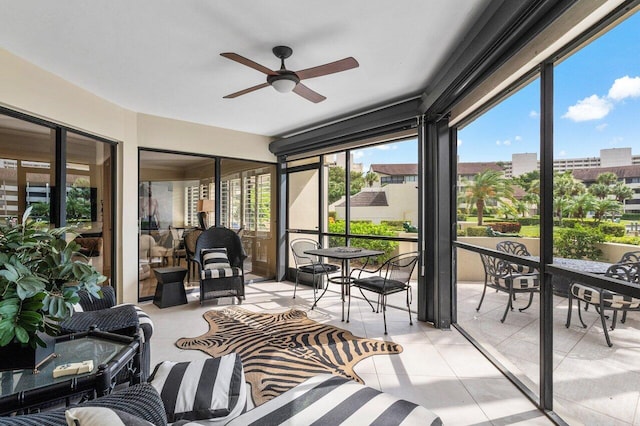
(438, 369)
(593, 383)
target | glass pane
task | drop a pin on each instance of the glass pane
(175, 192)
(89, 195)
(498, 184)
(27, 168)
(597, 208)
(247, 205)
(384, 189)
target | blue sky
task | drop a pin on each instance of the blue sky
(597, 106)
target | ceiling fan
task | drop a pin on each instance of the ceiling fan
(284, 80)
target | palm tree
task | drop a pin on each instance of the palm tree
(622, 192)
(603, 207)
(489, 185)
(607, 178)
(581, 204)
(599, 190)
(565, 187)
(370, 178)
(521, 207)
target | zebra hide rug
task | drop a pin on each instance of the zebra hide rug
(281, 350)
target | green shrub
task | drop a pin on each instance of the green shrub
(630, 216)
(394, 224)
(529, 221)
(572, 222)
(508, 227)
(477, 231)
(615, 229)
(365, 228)
(461, 232)
(578, 242)
(629, 239)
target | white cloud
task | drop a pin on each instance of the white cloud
(625, 87)
(534, 114)
(591, 108)
(358, 154)
(601, 127)
(562, 153)
(518, 138)
(505, 142)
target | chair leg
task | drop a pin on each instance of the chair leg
(569, 310)
(409, 307)
(349, 307)
(615, 318)
(365, 298)
(528, 304)
(604, 324)
(295, 287)
(384, 313)
(316, 301)
(624, 317)
(484, 290)
(580, 315)
(509, 306)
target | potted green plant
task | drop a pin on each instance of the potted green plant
(41, 273)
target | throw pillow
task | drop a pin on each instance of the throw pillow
(212, 388)
(215, 258)
(101, 416)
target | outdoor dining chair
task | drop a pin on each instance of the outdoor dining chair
(605, 300)
(393, 276)
(518, 249)
(502, 276)
(310, 264)
(630, 257)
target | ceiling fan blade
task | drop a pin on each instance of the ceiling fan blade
(330, 68)
(248, 62)
(245, 91)
(308, 94)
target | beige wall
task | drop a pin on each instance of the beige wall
(27, 88)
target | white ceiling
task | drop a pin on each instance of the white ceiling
(162, 57)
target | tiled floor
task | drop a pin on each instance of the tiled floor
(437, 369)
(593, 384)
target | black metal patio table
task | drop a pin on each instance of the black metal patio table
(345, 254)
(561, 284)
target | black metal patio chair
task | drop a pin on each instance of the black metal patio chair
(310, 264)
(393, 276)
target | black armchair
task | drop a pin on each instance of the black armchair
(518, 249)
(502, 275)
(605, 300)
(125, 319)
(391, 277)
(220, 279)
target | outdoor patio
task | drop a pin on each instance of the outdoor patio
(593, 383)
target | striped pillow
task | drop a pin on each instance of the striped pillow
(215, 258)
(213, 388)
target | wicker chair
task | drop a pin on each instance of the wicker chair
(220, 281)
(125, 319)
(391, 277)
(502, 276)
(605, 300)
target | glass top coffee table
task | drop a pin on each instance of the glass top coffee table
(110, 353)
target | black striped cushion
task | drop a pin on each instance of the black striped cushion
(609, 299)
(220, 273)
(215, 258)
(101, 416)
(203, 389)
(333, 400)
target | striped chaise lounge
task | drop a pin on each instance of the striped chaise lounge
(333, 400)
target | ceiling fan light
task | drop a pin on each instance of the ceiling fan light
(284, 85)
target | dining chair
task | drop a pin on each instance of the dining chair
(393, 276)
(190, 239)
(630, 257)
(179, 252)
(309, 263)
(605, 300)
(502, 276)
(519, 249)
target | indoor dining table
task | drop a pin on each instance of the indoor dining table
(344, 254)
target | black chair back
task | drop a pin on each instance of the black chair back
(513, 247)
(218, 237)
(400, 268)
(298, 248)
(630, 257)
